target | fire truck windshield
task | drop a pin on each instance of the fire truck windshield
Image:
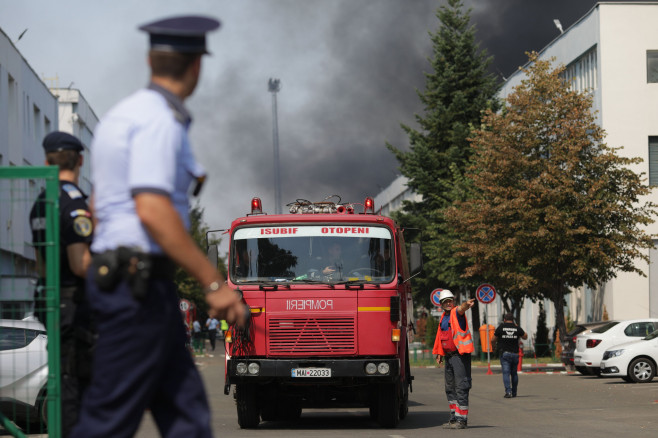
(313, 253)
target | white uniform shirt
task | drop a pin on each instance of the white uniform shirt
(141, 145)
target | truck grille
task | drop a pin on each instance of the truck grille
(322, 336)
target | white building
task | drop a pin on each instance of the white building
(28, 111)
(390, 199)
(612, 52)
(78, 118)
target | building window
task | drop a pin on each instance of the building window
(652, 66)
(653, 161)
(36, 113)
(12, 101)
(582, 73)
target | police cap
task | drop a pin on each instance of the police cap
(59, 141)
(184, 34)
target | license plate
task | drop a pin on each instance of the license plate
(311, 372)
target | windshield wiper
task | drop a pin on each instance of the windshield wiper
(306, 280)
(360, 283)
(274, 285)
(352, 283)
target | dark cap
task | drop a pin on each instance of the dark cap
(185, 34)
(60, 141)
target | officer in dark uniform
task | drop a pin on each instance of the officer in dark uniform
(76, 328)
(142, 171)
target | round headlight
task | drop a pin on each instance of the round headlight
(383, 368)
(241, 368)
(254, 368)
(371, 368)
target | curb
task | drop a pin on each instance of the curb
(540, 368)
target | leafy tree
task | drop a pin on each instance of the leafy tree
(431, 328)
(554, 207)
(188, 287)
(456, 93)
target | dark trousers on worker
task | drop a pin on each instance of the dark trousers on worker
(458, 384)
(212, 337)
(141, 363)
(509, 362)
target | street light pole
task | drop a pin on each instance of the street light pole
(274, 85)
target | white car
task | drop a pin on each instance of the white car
(23, 372)
(633, 361)
(591, 345)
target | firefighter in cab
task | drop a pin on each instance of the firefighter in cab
(454, 345)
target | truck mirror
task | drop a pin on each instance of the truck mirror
(415, 258)
(213, 256)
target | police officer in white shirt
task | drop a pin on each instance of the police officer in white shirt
(142, 168)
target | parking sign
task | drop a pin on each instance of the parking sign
(434, 297)
(485, 293)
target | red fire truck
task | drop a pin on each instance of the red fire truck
(331, 312)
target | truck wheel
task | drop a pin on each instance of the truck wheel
(389, 405)
(268, 412)
(404, 404)
(247, 406)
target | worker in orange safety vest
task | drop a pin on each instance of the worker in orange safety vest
(454, 345)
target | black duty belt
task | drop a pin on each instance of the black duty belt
(137, 268)
(451, 353)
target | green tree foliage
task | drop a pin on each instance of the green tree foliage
(553, 206)
(188, 287)
(431, 328)
(456, 93)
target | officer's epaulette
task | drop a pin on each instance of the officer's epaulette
(72, 191)
(178, 115)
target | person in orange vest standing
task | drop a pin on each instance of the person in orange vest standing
(454, 345)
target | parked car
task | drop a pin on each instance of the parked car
(591, 345)
(634, 361)
(570, 343)
(23, 372)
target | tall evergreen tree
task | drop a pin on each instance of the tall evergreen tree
(187, 286)
(456, 93)
(554, 207)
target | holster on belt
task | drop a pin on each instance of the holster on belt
(135, 267)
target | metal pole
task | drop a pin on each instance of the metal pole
(486, 326)
(274, 85)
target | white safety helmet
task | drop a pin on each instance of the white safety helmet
(445, 294)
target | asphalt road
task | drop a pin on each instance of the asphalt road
(556, 404)
(549, 405)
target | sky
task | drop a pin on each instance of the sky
(349, 72)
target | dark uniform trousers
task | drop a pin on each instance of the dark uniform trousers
(76, 352)
(458, 383)
(141, 362)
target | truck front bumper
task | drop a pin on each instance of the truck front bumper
(281, 369)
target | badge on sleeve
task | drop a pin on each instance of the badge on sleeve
(82, 226)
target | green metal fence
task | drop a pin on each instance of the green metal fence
(28, 405)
